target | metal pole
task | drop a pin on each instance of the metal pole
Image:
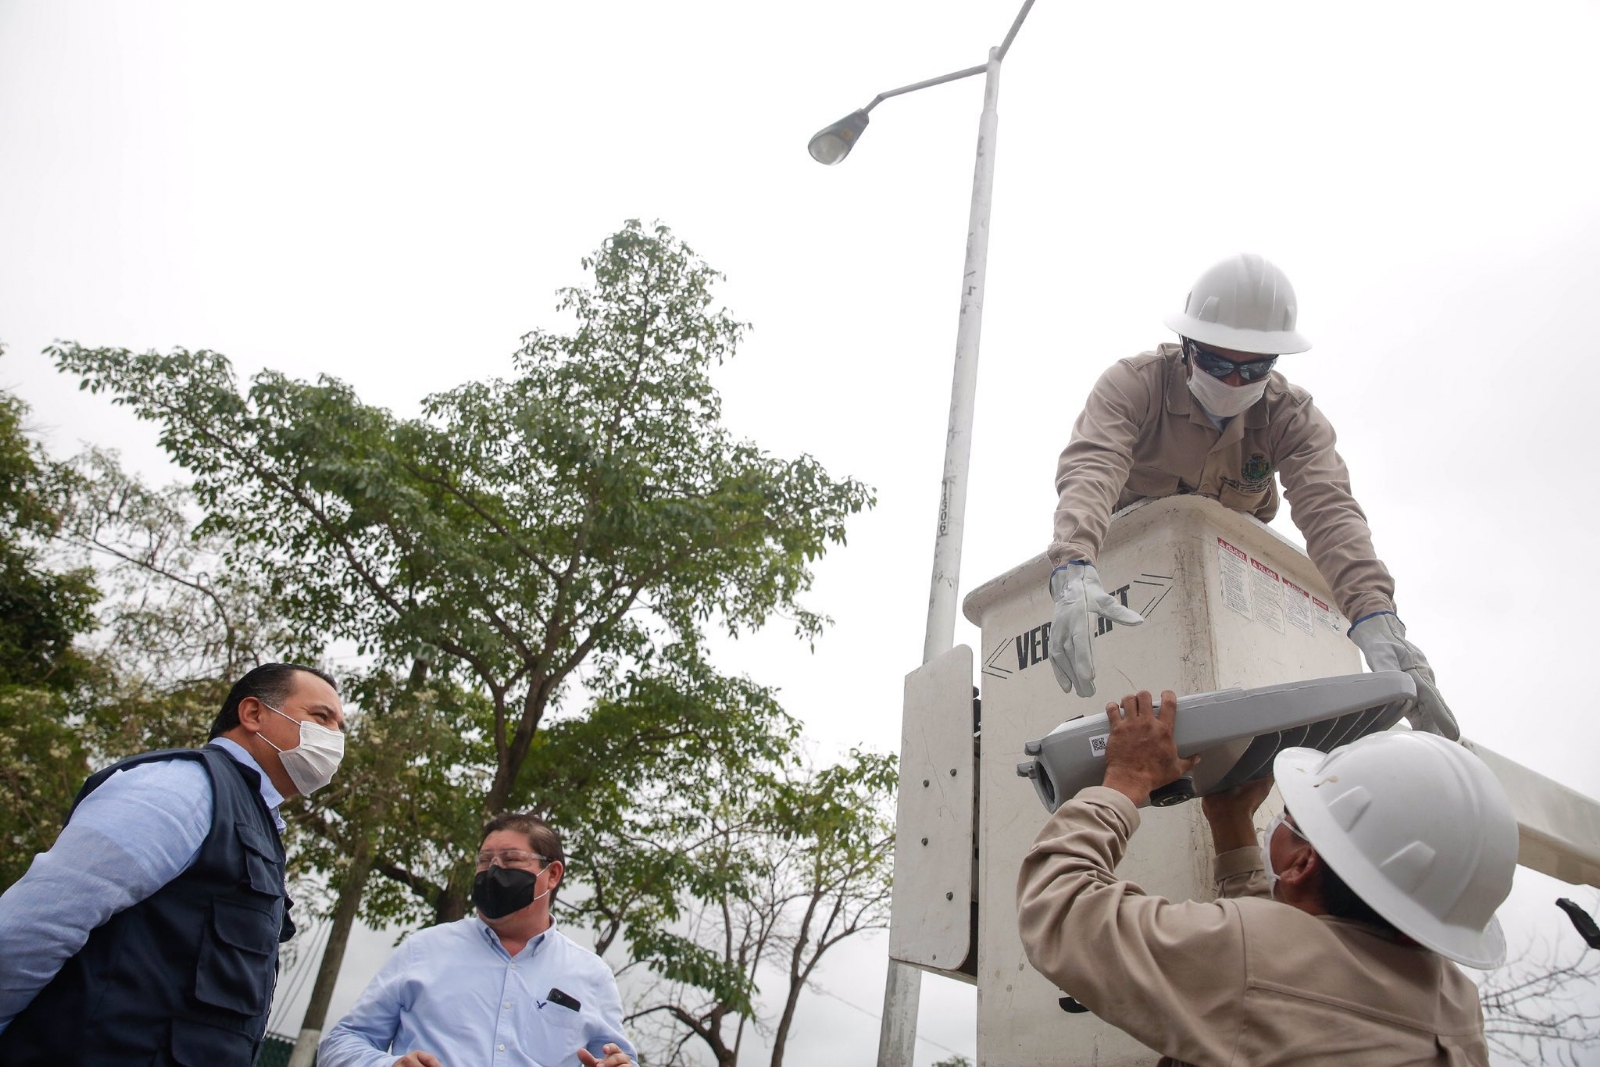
(941, 632)
(897, 1038)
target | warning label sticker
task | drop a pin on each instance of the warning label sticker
(1330, 618)
(1297, 606)
(1266, 594)
(1235, 575)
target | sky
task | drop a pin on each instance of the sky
(391, 193)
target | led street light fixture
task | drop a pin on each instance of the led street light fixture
(1237, 732)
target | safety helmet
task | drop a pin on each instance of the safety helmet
(1418, 827)
(1244, 303)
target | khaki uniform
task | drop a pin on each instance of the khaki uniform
(1241, 980)
(1142, 434)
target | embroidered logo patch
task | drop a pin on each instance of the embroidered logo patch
(1257, 468)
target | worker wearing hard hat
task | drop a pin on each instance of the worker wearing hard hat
(1331, 946)
(1209, 415)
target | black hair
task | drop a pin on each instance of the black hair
(270, 683)
(540, 834)
(546, 842)
(1339, 900)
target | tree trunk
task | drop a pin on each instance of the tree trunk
(780, 1036)
(453, 901)
(344, 916)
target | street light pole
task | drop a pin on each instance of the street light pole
(940, 634)
(897, 1036)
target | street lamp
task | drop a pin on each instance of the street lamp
(830, 145)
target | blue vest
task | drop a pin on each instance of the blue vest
(185, 976)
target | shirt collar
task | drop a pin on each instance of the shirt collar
(269, 792)
(492, 939)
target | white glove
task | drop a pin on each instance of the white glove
(1382, 639)
(1078, 594)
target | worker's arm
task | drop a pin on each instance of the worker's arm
(1317, 486)
(1093, 469)
(1170, 974)
(1340, 544)
(1231, 816)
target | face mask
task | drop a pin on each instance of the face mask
(1281, 819)
(499, 891)
(311, 765)
(1221, 399)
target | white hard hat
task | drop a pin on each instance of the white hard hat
(1244, 303)
(1418, 828)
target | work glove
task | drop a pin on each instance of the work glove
(1076, 589)
(1382, 639)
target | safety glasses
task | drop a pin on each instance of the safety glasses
(1219, 366)
(1281, 819)
(509, 857)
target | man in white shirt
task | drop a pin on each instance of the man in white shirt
(500, 986)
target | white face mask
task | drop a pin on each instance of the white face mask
(1281, 819)
(1220, 398)
(311, 765)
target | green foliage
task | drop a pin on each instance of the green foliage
(41, 613)
(416, 766)
(43, 676)
(762, 871)
(684, 961)
(42, 764)
(552, 543)
(41, 610)
(177, 613)
(146, 668)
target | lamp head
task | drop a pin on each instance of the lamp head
(832, 143)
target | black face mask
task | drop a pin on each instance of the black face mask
(499, 891)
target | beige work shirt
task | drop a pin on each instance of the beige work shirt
(1242, 980)
(1142, 434)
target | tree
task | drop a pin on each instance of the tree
(590, 512)
(770, 879)
(177, 626)
(1543, 1005)
(43, 675)
(180, 628)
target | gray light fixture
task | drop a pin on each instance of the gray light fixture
(832, 143)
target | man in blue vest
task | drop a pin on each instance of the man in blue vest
(149, 932)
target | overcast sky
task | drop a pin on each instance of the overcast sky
(391, 193)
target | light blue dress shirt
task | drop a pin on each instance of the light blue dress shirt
(452, 990)
(133, 835)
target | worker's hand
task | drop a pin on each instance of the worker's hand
(615, 1057)
(1240, 800)
(1231, 813)
(418, 1059)
(1079, 596)
(1140, 753)
(1382, 639)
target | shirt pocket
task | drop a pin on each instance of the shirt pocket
(556, 1034)
(1251, 498)
(237, 958)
